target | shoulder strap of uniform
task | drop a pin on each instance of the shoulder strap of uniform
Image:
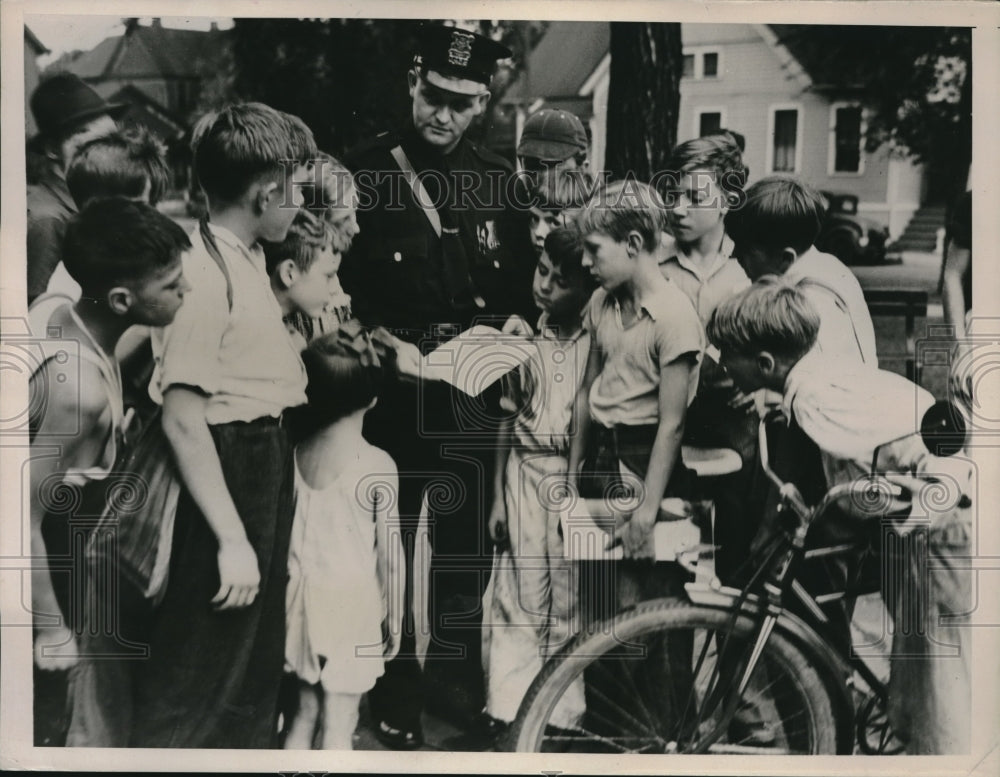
(213, 250)
(419, 193)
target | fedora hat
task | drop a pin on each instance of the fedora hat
(64, 100)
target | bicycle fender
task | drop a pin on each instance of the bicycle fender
(832, 667)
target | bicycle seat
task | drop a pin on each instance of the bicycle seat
(711, 462)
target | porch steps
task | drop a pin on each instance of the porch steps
(921, 233)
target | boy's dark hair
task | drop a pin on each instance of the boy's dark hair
(306, 238)
(116, 241)
(563, 190)
(777, 213)
(771, 315)
(244, 142)
(738, 137)
(624, 206)
(719, 153)
(119, 165)
(564, 248)
(344, 375)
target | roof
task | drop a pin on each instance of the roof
(31, 39)
(146, 51)
(143, 109)
(549, 72)
(819, 48)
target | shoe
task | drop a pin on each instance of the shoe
(398, 739)
(492, 730)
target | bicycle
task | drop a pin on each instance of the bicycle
(760, 679)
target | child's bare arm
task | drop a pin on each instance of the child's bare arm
(71, 435)
(198, 462)
(952, 296)
(390, 561)
(580, 423)
(498, 511)
(666, 449)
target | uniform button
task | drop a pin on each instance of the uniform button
(397, 257)
(496, 263)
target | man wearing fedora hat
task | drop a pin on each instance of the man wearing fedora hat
(68, 113)
(442, 245)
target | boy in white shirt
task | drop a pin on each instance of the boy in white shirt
(766, 336)
(773, 234)
(226, 370)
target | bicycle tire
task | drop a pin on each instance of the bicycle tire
(794, 696)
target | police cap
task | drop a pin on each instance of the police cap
(457, 60)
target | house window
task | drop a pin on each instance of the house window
(786, 130)
(710, 64)
(847, 139)
(709, 122)
(702, 63)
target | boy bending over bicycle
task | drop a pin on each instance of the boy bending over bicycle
(865, 422)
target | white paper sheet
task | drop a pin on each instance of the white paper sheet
(476, 359)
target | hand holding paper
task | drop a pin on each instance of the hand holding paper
(476, 359)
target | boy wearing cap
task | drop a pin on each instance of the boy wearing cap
(441, 245)
(553, 139)
(68, 114)
(553, 153)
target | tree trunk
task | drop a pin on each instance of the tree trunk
(643, 97)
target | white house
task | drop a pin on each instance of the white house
(760, 80)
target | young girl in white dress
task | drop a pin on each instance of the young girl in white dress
(345, 593)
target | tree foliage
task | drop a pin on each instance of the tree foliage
(916, 83)
(346, 78)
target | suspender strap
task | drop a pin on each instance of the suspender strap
(213, 250)
(419, 192)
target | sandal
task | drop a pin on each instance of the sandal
(397, 739)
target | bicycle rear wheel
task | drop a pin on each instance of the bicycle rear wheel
(661, 678)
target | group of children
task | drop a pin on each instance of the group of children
(227, 365)
(707, 296)
(655, 325)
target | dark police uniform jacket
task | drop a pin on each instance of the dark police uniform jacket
(395, 271)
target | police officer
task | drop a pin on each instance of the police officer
(449, 252)
(442, 244)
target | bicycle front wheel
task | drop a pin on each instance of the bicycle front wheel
(662, 678)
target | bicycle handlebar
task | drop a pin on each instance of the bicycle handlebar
(791, 496)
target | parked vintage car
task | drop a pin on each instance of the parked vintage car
(852, 238)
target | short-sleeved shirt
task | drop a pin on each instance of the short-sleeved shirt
(545, 388)
(626, 392)
(705, 287)
(244, 359)
(846, 331)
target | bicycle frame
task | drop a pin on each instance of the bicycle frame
(764, 597)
